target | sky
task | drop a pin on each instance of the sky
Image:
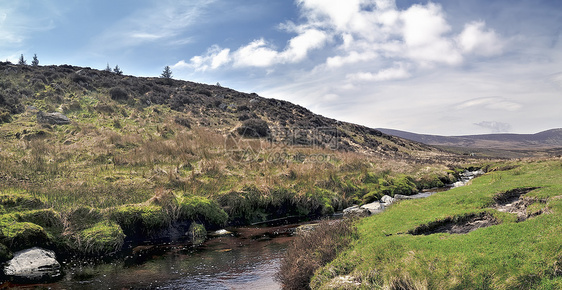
(450, 67)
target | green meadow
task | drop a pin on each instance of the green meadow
(509, 253)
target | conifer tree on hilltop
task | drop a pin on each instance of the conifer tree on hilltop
(117, 70)
(167, 73)
(35, 61)
(22, 60)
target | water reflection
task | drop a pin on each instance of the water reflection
(248, 259)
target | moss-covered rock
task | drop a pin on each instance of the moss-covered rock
(47, 218)
(202, 209)
(140, 219)
(21, 235)
(103, 238)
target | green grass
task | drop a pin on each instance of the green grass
(510, 255)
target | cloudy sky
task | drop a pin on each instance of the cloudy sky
(448, 67)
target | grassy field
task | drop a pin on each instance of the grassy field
(402, 248)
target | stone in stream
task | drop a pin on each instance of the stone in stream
(220, 233)
(364, 210)
(387, 200)
(33, 264)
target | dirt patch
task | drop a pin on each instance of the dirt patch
(514, 202)
(456, 225)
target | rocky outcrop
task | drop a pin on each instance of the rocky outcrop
(33, 264)
(52, 118)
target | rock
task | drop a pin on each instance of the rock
(400, 196)
(305, 229)
(364, 210)
(387, 200)
(220, 233)
(33, 264)
(373, 207)
(52, 118)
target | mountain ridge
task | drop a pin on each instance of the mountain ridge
(547, 139)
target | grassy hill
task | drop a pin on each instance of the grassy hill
(91, 160)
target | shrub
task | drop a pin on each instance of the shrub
(118, 94)
(312, 250)
(254, 128)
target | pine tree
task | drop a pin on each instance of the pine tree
(35, 61)
(107, 68)
(22, 61)
(117, 70)
(167, 73)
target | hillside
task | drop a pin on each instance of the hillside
(73, 90)
(546, 143)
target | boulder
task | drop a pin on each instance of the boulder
(305, 229)
(400, 196)
(52, 118)
(220, 233)
(387, 200)
(33, 264)
(364, 210)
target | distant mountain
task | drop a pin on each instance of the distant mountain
(543, 140)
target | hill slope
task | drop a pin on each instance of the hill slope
(69, 90)
(542, 140)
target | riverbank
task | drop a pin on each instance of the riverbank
(501, 232)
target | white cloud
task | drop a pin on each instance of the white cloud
(259, 53)
(475, 39)
(16, 26)
(214, 58)
(367, 30)
(162, 21)
(424, 32)
(396, 73)
(495, 127)
(256, 54)
(301, 45)
(490, 103)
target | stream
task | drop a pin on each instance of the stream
(248, 258)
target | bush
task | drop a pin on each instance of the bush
(254, 128)
(118, 94)
(313, 250)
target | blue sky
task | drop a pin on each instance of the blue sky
(441, 67)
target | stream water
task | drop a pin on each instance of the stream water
(246, 259)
